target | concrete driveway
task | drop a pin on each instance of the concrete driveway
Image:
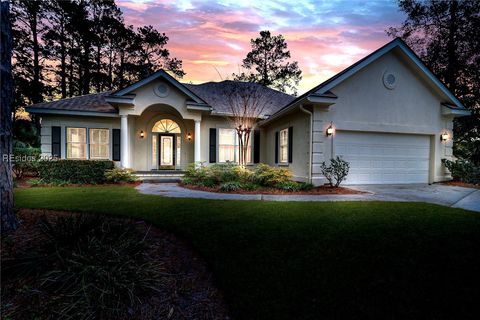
(451, 196)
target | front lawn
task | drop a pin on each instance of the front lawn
(304, 260)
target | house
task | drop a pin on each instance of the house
(387, 114)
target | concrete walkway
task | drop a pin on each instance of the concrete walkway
(451, 196)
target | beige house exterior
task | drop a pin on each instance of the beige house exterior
(387, 114)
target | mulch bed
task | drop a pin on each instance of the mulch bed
(460, 184)
(188, 293)
(321, 190)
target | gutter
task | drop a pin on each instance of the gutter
(310, 142)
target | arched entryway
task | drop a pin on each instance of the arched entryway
(166, 144)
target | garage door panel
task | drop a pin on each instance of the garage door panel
(384, 158)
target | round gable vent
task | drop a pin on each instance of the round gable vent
(389, 80)
(161, 90)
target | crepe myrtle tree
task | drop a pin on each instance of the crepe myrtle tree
(245, 103)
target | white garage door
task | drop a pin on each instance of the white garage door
(380, 158)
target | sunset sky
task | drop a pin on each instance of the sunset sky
(323, 36)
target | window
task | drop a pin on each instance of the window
(167, 126)
(99, 143)
(283, 146)
(76, 143)
(228, 146)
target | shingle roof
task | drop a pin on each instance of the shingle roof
(94, 102)
(215, 94)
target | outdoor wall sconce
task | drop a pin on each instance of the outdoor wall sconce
(142, 134)
(444, 136)
(189, 136)
(330, 130)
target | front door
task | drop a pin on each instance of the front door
(167, 154)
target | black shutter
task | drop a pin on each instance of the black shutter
(276, 146)
(256, 146)
(116, 145)
(212, 158)
(290, 144)
(56, 144)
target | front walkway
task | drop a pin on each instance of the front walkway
(450, 196)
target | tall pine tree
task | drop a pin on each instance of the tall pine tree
(267, 63)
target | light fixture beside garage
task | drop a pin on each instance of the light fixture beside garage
(142, 134)
(330, 130)
(444, 136)
(189, 136)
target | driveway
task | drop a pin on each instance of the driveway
(451, 196)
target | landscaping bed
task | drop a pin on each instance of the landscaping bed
(457, 183)
(63, 265)
(321, 190)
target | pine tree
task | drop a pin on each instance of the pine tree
(267, 63)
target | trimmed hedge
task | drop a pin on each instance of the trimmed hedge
(74, 171)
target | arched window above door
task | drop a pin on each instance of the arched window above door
(166, 126)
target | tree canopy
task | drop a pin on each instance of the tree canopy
(267, 63)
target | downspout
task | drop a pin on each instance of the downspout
(310, 142)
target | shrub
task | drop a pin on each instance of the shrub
(250, 186)
(230, 186)
(336, 172)
(306, 186)
(116, 175)
(195, 173)
(25, 161)
(463, 170)
(268, 176)
(290, 186)
(74, 171)
(88, 267)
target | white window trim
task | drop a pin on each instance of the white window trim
(87, 149)
(287, 145)
(235, 154)
(90, 144)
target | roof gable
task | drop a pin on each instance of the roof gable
(163, 75)
(327, 85)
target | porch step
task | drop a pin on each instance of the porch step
(160, 175)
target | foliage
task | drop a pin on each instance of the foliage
(242, 178)
(288, 186)
(336, 172)
(249, 186)
(306, 186)
(463, 170)
(26, 132)
(86, 267)
(444, 35)
(69, 48)
(116, 175)
(25, 161)
(74, 171)
(272, 69)
(268, 176)
(230, 186)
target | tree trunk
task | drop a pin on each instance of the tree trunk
(63, 60)
(9, 220)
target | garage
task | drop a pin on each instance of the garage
(384, 158)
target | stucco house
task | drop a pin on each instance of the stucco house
(387, 114)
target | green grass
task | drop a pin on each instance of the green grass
(293, 260)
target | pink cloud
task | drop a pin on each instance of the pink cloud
(213, 38)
